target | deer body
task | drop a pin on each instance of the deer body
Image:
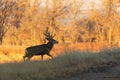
(40, 49)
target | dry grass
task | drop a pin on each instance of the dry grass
(15, 53)
(61, 66)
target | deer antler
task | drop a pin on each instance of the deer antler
(48, 35)
(53, 35)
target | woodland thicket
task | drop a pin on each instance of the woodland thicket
(23, 22)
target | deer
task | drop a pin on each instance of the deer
(43, 49)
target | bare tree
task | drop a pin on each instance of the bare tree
(111, 21)
(74, 11)
(6, 7)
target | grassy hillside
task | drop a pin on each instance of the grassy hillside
(59, 66)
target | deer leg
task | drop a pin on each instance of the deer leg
(24, 57)
(29, 57)
(50, 55)
(41, 57)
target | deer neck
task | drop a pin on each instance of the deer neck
(50, 45)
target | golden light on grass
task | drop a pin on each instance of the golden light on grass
(15, 53)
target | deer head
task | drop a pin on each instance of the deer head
(50, 37)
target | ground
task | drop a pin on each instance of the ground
(109, 73)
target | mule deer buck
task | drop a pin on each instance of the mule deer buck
(41, 49)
